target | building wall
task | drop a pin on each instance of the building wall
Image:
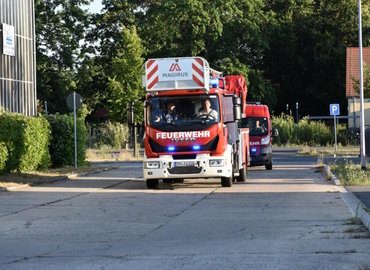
(18, 73)
(354, 110)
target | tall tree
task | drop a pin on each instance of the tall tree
(103, 43)
(307, 51)
(60, 26)
(227, 33)
(127, 71)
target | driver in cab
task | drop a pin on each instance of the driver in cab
(207, 112)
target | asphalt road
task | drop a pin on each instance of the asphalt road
(287, 218)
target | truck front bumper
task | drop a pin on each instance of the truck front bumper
(203, 166)
(263, 157)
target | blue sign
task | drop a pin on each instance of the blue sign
(334, 109)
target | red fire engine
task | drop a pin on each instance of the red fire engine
(191, 123)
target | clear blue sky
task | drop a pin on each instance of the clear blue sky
(96, 6)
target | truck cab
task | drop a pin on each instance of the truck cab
(257, 119)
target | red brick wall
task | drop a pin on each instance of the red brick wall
(353, 68)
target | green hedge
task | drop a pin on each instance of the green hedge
(62, 143)
(312, 133)
(3, 156)
(27, 140)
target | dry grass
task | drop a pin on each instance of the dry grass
(111, 155)
(318, 151)
(42, 176)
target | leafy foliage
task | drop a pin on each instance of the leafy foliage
(366, 83)
(127, 70)
(3, 156)
(60, 26)
(111, 134)
(27, 140)
(62, 142)
(289, 51)
(310, 133)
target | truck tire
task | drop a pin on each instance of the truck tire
(226, 181)
(242, 174)
(268, 166)
(152, 183)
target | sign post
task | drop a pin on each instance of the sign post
(334, 110)
(74, 102)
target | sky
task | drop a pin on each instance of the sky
(95, 6)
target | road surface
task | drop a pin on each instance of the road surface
(287, 218)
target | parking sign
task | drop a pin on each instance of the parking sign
(334, 109)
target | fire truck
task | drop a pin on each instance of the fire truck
(257, 119)
(191, 123)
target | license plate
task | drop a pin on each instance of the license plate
(185, 164)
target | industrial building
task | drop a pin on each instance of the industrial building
(18, 57)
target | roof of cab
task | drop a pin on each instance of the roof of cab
(257, 111)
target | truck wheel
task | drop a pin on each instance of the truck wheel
(152, 183)
(242, 174)
(226, 181)
(268, 166)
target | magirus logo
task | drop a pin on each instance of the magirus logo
(175, 67)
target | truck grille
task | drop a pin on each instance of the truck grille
(185, 170)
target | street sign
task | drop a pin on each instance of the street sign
(70, 101)
(334, 109)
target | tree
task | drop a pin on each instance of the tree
(229, 34)
(307, 51)
(125, 84)
(60, 26)
(366, 83)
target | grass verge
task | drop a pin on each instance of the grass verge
(318, 151)
(351, 174)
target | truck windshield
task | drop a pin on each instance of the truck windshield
(183, 113)
(258, 126)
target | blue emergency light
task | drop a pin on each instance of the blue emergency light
(196, 147)
(254, 150)
(171, 148)
(214, 82)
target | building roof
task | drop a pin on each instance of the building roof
(353, 68)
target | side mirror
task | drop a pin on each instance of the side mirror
(237, 112)
(274, 132)
(237, 101)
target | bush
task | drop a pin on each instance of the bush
(27, 140)
(111, 134)
(3, 156)
(285, 125)
(62, 142)
(305, 133)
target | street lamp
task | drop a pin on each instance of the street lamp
(362, 125)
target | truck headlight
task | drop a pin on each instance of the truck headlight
(216, 162)
(265, 140)
(152, 165)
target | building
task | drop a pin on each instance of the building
(17, 57)
(353, 98)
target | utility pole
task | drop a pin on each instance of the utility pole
(296, 110)
(362, 119)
